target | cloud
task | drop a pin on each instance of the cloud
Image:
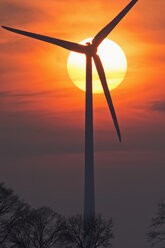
(14, 13)
(40, 133)
(18, 45)
(4, 94)
(158, 106)
(53, 93)
(24, 134)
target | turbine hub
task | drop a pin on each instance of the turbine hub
(91, 49)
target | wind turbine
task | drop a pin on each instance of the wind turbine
(90, 50)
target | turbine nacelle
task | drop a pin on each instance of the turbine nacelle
(91, 49)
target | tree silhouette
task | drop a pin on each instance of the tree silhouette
(10, 208)
(156, 234)
(37, 228)
(46, 226)
(24, 227)
(20, 235)
(96, 232)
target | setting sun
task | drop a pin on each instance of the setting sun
(114, 62)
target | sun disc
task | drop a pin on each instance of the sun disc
(114, 62)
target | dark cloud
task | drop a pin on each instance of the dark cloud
(27, 133)
(158, 106)
(19, 45)
(7, 68)
(22, 135)
(4, 93)
(12, 13)
(56, 93)
(28, 142)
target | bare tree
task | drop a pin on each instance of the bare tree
(46, 227)
(21, 233)
(10, 208)
(37, 228)
(23, 227)
(156, 234)
(94, 233)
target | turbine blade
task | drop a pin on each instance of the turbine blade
(65, 44)
(108, 28)
(103, 80)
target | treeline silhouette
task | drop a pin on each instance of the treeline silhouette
(156, 233)
(22, 226)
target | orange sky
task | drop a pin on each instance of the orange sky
(42, 111)
(42, 67)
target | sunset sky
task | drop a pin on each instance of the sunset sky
(42, 113)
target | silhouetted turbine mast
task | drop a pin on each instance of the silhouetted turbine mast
(90, 50)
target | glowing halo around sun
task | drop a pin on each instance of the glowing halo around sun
(113, 60)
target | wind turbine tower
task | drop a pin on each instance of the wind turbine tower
(90, 50)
